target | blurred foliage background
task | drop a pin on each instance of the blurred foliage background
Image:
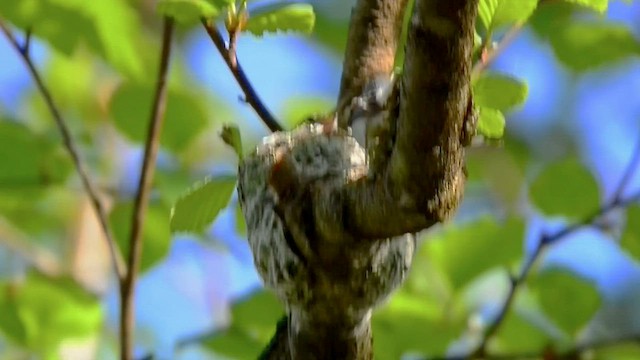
(563, 154)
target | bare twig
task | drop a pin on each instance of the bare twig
(547, 240)
(69, 144)
(568, 354)
(250, 94)
(493, 52)
(152, 145)
(629, 171)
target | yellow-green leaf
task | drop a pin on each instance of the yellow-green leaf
(281, 17)
(201, 205)
(565, 188)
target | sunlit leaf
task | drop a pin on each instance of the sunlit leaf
(188, 11)
(297, 110)
(499, 91)
(46, 312)
(284, 17)
(156, 237)
(519, 333)
(110, 27)
(584, 45)
(200, 205)
(254, 321)
(467, 250)
(410, 323)
(569, 300)
(565, 188)
(597, 5)
(496, 13)
(491, 123)
(184, 117)
(630, 241)
(231, 136)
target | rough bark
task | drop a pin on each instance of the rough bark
(332, 238)
(374, 34)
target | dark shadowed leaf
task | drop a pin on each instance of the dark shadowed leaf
(466, 251)
(184, 118)
(282, 17)
(618, 352)
(565, 188)
(630, 241)
(241, 224)
(200, 206)
(29, 159)
(569, 300)
(155, 236)
(499, 91)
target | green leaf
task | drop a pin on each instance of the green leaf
(234, 343)
(462, 251)
(201, 205)
(281, 17)
(258, 313)
(254, 322)
(297, 110)
(48, 311)
(491, 123)
(630, 241)
(499, 91)
(618, 352)
(188, 11)
(565, 188)
(156, 238)
(410, 323)
(597, 5)
(496, 13)
(519, 333)
(569, 300)
(586, 45)
(241, 224)
(231, 136)
(111, 28)
(28, 159)
(184, 117)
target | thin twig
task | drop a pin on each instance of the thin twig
(547, 240)
(69, 144)
(250, 94)
(493, 52)
(152, 145)
(631, 168)
(568, 354)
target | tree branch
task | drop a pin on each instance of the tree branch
(372, 42)
(23, 50)
(232, 62)
(423, 180)
(127, 291)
